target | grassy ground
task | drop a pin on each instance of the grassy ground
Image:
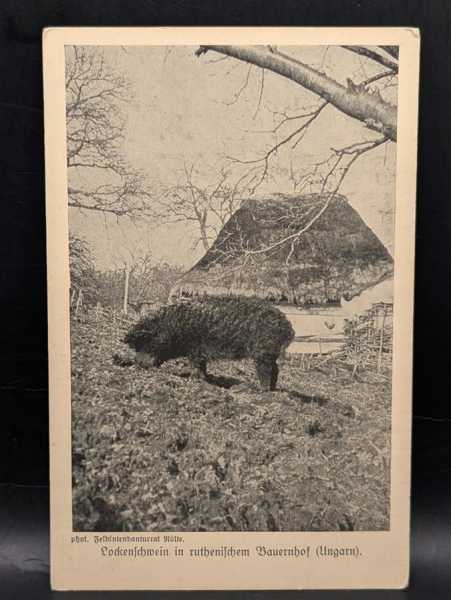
(159, 450)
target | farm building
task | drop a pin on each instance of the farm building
(334, 269)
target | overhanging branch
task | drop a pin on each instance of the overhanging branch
(381, 59)
(353, 101)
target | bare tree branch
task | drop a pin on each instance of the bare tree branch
(358, 103)
(338, 164)
(355, 151)
(381, 59)
(241, 90)
(392, 50)
(262, 85)
(205, 199)
(291, 136)
(375, 78)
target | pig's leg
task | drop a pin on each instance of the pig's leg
(199, 362)
(267, 371)
(274, 375)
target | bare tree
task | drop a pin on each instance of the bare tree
(140, 273)
(82, 271)
(206, 199)
(100, 179)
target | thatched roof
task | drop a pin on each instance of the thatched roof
(337, 256)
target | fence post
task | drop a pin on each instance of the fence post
(126, 286)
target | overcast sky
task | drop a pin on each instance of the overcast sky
(184, 108)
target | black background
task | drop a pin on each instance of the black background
(23, 348)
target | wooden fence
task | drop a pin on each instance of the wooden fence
(371, 335)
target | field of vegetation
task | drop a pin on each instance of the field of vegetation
(158, 450)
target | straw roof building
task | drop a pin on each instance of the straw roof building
(337, 256)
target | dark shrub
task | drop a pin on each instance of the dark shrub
(231, 327)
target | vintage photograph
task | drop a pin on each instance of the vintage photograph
(231, 249)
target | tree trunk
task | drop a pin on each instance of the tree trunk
(354, 101)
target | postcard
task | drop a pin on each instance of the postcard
(230, 236)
